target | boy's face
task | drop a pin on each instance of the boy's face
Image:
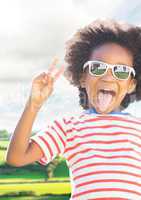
(105, 93)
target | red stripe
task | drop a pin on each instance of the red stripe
(105, 157)
(107, 181)
(109, 198)
(50, 150)
(60, 127)
(105, 150)
(106, 190)
(102, 163)
(42, 162)
(59, 136)
(106, 172)
(68, 121)
(102, 126)
(107, 118)
(100, 134)
(101, 142)
(57, 146)
(99, 118)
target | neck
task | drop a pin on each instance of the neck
(116, 111)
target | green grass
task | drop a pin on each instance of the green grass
(28, 179)
(3, 152)
(23, 180)
(32, 172)
(37, 188)
(53, 197)
(2, 156)
(4, 143)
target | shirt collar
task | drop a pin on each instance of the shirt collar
(93, 111)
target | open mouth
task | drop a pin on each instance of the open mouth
(105, 98)
(107, 91)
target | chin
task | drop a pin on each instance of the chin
(107, 111)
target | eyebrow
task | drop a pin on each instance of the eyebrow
(119, 63)
(122, 64)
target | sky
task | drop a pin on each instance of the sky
(32, 32)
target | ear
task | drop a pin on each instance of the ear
(83, 80)
(132, 86)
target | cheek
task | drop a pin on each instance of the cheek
(123, 90)
(91, 88)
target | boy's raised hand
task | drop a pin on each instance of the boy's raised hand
(20, 151)
(42, 85)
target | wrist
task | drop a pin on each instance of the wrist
(32, 106)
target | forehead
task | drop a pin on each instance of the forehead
(112, 53)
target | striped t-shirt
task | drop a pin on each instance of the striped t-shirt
(103, 153)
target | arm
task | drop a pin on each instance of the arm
(21, 151)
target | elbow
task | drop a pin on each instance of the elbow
(12, 161)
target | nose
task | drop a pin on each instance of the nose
(108, 76)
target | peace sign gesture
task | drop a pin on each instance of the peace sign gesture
(42, 85)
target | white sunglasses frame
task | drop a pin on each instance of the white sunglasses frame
(111, 66)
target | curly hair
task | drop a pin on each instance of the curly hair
(85, 40)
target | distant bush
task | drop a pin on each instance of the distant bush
(4, 134)
(3, 148)
(18, 193)
(53, 195)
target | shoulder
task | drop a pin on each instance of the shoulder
(133, 118)
(75, 118)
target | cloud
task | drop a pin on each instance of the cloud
(34, 31)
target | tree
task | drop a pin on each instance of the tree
(4, 134)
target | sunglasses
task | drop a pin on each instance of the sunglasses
(120, 72)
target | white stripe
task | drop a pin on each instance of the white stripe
(103, 122)
(109, 133)
(108, 176)
(113, 161)
(99, 168)
(118, 185)
(92, 129)
(50, 143)
(94, 152)
(105, 138)
(58, 131)
(103, 147)
(58, 141)
(107, 194)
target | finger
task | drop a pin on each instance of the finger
(39, 77)
(52, 66)
(43, 78)
(59, 72)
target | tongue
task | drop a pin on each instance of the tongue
(104, 100)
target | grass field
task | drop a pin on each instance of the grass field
(3, 152)
(48, 197)
(37, 188)
(32, 179)
(4, 143)
(2, 156)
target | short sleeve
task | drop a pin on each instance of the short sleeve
(52, 140)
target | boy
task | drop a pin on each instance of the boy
(103, 144)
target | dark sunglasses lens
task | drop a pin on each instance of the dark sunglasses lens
(121, 72)
(98, 69)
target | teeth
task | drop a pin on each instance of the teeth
(107, 91)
